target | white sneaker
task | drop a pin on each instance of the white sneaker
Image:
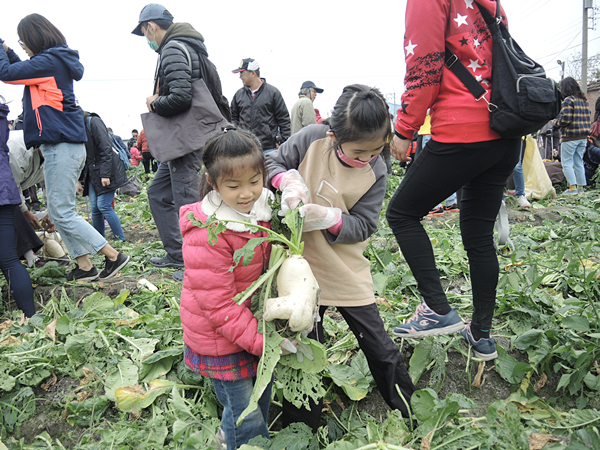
(522, 202)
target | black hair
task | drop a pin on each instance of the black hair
(38, 33)
(163, 24)
(569, 87)
(134, 131)
(360, 114)
(228, 151)
(257, 71)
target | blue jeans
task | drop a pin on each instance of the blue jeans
(235, 396)
(63, 164)
(102, 208)
(17, 278)
(519, 179)
(572, 161)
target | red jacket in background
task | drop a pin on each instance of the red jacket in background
(431, 25)
(213, 324)
(142, 143)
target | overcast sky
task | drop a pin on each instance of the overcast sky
(331, 42)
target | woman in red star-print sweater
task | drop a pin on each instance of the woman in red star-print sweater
(463, 152)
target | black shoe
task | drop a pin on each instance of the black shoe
(112, 267)
(82, 275)
(166, 261)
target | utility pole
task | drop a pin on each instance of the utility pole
(587, 4)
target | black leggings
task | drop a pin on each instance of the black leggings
(481, 169)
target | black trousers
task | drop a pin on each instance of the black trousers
(147, 160)
(384, 358)
(481, 169)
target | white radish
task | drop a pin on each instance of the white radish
(53, 249)
(146, 284)
(298, 294)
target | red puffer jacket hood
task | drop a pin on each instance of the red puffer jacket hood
(213, 324)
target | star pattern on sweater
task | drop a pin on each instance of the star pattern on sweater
(478, 78)
(410, 48)
(474, 65)
(464, 41)
(469, 4)
(476, 43)
(461, 20)
(404, 107)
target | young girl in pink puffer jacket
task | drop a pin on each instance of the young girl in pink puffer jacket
(221, 338)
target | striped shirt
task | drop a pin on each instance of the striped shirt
(574, 119)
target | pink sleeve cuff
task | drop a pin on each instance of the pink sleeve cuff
(335, 230)
(276, 180)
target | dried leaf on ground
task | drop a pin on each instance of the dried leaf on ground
(9, 341)
(425, 444)
(540, 383)
(51, 330)
(50, 382)
(537, 441)
(5, 325)
(479, 380)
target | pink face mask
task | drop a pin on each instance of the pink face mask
(354, 162)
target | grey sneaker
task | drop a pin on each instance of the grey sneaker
(111, 268)
(484, 348)
(425, 322)
(571, 192)
(221, 438)
(166, 261)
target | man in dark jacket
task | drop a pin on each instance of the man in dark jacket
(176, 182)
(259, 107)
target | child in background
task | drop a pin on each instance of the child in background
(336, 171)
(136, 157)
(221, 338)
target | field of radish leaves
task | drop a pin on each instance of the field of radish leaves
(100, 365)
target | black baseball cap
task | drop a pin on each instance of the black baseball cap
(152, 11)
(310, 84)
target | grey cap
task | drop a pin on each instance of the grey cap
(152, 11)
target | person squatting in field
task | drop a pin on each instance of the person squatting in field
(336, 171)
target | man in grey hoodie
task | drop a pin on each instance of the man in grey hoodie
(176, 182)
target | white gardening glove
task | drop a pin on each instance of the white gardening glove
(288, 346)
(317, 217)
(294, 191)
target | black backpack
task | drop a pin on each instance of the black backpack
(523, 99)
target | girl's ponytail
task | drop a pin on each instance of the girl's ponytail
(360, 114)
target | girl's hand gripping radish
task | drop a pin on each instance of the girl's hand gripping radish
(293, 191)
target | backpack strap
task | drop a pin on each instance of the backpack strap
(462, 73)
(187, 53)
